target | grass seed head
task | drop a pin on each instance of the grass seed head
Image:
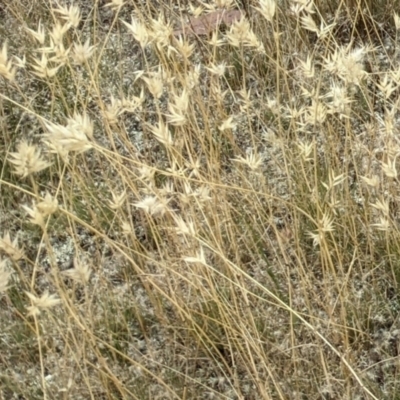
(39, 304)
(48, 206)
(58, 32)
(10, 248)
(36, 216)
(162, 133)
(42, 70)
(139, 32)
(71, 14)
(39, 34)
(152, 205)
(267, 9)
(82, 52)
(118, 200)
(155, 84)
(6, 67)
(161, 32)
(80, 273)
(73, 137)
(27, 160)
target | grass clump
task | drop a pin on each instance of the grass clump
(194, 212)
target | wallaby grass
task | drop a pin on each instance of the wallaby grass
(208, 217)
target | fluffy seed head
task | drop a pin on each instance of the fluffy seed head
(27, 159)
(44, 302)
(152, 205)
(10, 248)
(139, 32)
(73, 137)
(80, 273)
(6, 68)
(82, 52)
(267, 9)
(71, 14)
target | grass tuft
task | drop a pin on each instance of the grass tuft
(194, 211)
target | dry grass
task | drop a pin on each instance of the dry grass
(200, 217)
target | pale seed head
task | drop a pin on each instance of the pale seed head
(6, 67)
(10, 248)
(82, 52)
(80, 273)
(44, 302)
(27, 159)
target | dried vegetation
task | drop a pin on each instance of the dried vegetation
(199, 200)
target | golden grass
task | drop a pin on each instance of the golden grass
(201, 217)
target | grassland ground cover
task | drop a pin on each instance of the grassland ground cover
(199, 200)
